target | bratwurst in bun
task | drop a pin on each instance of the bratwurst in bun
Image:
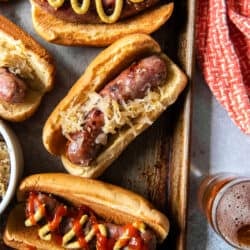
(121, 93)
(96, 22)
(26, 72)
(60, 211)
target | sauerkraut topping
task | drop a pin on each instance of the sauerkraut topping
(116, 115)
(14, 57)
(20, 61)
(4, 168)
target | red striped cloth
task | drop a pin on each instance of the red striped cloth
(223, 49)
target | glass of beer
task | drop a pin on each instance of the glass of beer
(224, 198)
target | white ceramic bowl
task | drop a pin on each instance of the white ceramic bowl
(16, 163)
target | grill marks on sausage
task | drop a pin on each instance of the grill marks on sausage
(12, 88)
(66, 12)
(140, 240)
(133, 83)
(83, 144)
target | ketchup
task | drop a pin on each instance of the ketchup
(79, 234)
(31, 208)
(59, 213)
(101, 242)
(32, 203)
(82, 242)
(134, 240)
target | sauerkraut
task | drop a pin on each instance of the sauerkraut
(4, 168)
(116, 115)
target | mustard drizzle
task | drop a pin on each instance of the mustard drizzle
(45, 232)
(83, 8)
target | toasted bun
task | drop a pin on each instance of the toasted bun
(18, 236)
(107, 201)
(103, 68)
(20, 51)
(59, 31)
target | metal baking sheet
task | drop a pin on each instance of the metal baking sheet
(156, 164)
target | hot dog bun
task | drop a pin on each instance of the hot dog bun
(22, 53)
(107, 201)
(17, 236)
(103, 68)
(63, 32)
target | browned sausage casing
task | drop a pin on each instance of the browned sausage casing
(66, 12)
(12, 88)
(67, 222)
(132, 83)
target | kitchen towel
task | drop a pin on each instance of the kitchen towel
(223, 50)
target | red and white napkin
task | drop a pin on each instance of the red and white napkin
(223, 49)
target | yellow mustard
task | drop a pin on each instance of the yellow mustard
(83, 8)
(56, 3)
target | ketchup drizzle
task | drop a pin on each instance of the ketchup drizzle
(33, 202)
(77, 228)
(60, 212)
(135, 242)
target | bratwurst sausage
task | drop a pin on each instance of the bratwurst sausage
(132, 83)
(12, 88)
(65, 223)
(67, 13)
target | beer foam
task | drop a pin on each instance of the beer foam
(233, 213)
